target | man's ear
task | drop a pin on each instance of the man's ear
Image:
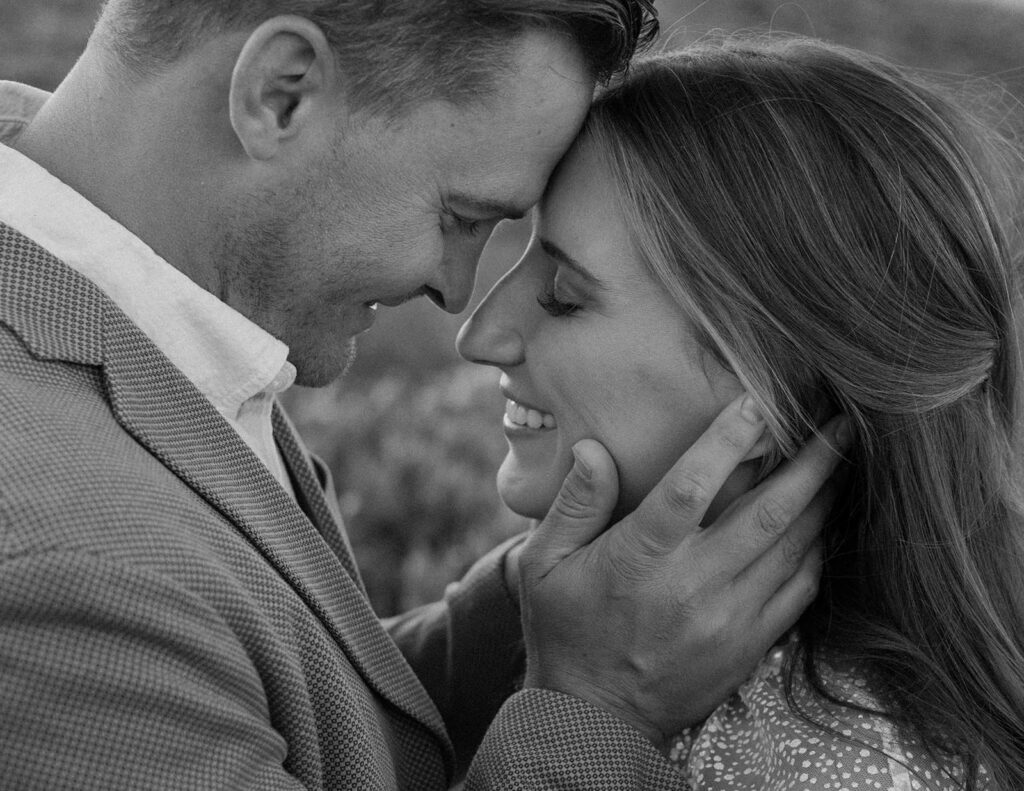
(284, 74)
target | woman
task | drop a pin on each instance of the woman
(812, 226)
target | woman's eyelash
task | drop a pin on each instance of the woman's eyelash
(554, 306)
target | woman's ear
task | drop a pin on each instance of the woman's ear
(281, 86)
(765, 445)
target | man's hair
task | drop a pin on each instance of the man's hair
(396, 53)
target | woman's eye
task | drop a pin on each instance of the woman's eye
(554, 306)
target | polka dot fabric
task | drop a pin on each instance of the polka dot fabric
(756, 742)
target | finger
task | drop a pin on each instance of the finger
(674, 508)
(773, 569)
(766, 513)
(784, 609)
(581, 510)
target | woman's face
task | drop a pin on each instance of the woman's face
(590, 346)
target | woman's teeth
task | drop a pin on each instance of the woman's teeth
(524, 416)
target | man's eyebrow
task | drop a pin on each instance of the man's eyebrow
(562, 257)
(489, 208)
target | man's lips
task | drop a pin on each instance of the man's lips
(395, 301)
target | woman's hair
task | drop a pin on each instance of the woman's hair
(838, 232)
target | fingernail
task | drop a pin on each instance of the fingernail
(750, 411)
(843, 433)
(582, 467)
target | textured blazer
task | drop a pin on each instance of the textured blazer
(171, 618)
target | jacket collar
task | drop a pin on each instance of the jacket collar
(229, 357)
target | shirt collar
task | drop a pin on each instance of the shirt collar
(226, 356)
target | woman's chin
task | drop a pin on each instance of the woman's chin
(524, 504)
(527, 496)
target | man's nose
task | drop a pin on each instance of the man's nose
(491, 336)
(453, 288)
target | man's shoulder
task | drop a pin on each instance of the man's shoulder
(68, 468)
(49, 391)
(18, 105)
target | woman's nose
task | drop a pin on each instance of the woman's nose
(492, 335)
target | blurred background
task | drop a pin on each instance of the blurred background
(413, 434)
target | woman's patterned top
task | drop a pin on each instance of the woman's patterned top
(756, 742)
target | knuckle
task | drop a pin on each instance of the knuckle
(771, 516)
(735, 441)
(688, 493)
(716, 631)
(573, 500)
(809, 586)
(683, 597)
(632, 562)
(631, 572)
(792, 552)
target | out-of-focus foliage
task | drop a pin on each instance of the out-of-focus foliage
(413, 434)
(40, 39)
(954, 39)
(417, 461)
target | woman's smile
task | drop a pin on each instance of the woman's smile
(520, 415)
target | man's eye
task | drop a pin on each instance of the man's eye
(464, 226)
(468, 227)
(554, 306)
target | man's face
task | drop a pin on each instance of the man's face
(393, 210)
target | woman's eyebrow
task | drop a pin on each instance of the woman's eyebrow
(562, 257)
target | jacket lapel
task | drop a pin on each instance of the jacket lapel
(315, 490)
(62, 315)
(407, 692)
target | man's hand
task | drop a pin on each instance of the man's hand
(654, 619)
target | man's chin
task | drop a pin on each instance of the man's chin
(319, 370)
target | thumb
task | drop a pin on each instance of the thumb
(581, 510)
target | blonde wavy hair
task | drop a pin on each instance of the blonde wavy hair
(841, 235)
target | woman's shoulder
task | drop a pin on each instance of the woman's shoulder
(765, 740)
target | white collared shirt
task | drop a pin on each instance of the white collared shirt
(235, 363)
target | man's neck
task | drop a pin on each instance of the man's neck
(99, 134)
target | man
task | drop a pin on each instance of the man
(212, 205)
